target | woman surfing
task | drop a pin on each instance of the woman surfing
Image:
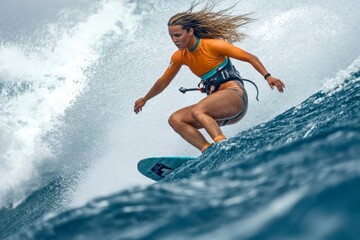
(204, 41)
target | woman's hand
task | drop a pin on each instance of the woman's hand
(139, 104)
(272, 81)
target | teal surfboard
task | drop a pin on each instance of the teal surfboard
(157, 168)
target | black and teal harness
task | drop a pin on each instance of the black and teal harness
(223, 73)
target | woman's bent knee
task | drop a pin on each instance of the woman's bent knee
(174, 120)
(196, 113)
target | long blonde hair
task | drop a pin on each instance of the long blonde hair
(212, 24)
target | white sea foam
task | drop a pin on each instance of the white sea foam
(333, 83)
(39, 85)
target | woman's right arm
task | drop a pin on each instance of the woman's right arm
(159, 85)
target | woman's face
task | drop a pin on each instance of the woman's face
(182, 38)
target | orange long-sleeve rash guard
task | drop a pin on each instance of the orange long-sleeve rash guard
(209, 54)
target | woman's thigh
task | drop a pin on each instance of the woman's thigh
(185, 115)
(221, 104)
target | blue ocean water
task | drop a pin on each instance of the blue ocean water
(69, 142)
(294, 177)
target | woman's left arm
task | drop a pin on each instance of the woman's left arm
(232, 51)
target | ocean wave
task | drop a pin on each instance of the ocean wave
(257, 184)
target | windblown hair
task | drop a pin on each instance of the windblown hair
(212, 24)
